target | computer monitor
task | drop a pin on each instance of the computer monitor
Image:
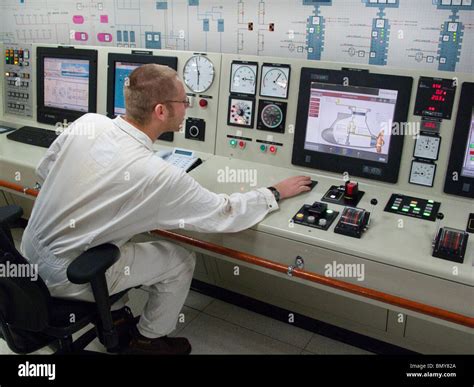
(351, 121)
(119, 68)
(460, 174)
(66, 84)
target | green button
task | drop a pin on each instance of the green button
(426, 214)
(329, 211)
(394, 208)
(471, 145)
(233, 142)
(405, 209)
(416, 209)
(430, 201)
(263, 148)
(412, 205)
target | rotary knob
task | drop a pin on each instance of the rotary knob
(194, 131)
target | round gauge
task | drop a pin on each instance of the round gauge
(198, 73)
(244, 78)
(275, 81)
(272, 116)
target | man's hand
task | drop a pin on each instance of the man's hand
(293, 186)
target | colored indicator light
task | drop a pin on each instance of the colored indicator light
(263, 148)
(405, 209)
(242, 144)
(233, 143)
(329, 211)
(431, 201)
(273, 149)
(426, 214)
(394, 208)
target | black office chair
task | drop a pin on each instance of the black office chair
(30, 318)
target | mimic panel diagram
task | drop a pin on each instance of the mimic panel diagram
(428, 34)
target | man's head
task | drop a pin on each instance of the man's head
(155, 98)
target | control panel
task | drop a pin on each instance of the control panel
(367, 134)
(411, 206)
(18, 82)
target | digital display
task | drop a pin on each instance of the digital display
(66, 83)
(122, 71)
(435, 97)
(183, 152)
(468, 164)
(350, 121)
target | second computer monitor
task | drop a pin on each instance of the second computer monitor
(120, 67)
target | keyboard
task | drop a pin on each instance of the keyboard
(33, 136)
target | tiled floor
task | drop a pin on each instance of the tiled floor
(215, 327)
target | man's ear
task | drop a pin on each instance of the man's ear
(160, 111)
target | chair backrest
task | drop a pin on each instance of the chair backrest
(24, 299)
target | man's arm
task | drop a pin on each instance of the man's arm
(192, 207)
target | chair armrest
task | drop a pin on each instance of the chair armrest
(9, 214)
(92, 263)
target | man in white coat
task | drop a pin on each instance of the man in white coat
(109, 186)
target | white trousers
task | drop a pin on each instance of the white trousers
(164, 269)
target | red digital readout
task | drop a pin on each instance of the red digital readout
(431, 125)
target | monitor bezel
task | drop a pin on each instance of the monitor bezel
(369, 169)
(53, 115)
(113, 58)
(460, 136)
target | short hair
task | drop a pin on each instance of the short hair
(147, 86)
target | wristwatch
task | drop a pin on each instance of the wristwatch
(275, 193)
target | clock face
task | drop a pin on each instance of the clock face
(243, 78)
(275, 81)
(198, 73)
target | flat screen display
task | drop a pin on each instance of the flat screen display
(66, 84)
(350, 121)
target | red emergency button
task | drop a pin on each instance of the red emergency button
(273, 149)
(203, 103)
(242, 144)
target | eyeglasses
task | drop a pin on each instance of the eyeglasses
(186, 102)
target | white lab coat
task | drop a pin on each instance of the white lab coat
(102, 182)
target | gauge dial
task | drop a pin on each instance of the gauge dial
(275, 81)
(422, 173)
(271, 116)
(241, 112)
(198, 73)
(427, 147)
(243, 78)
